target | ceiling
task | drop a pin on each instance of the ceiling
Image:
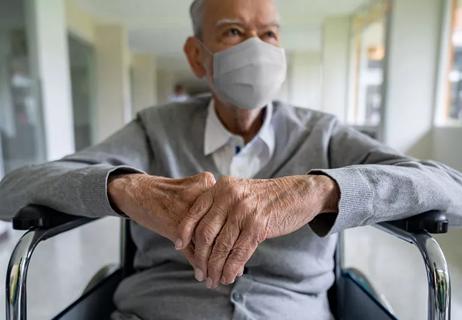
(161, 26)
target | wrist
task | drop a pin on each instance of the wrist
(328, 193)
(120, 191)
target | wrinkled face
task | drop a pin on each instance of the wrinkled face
(227, 23)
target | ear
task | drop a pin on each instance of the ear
(193, 53)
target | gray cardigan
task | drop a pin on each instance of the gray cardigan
(287, 277)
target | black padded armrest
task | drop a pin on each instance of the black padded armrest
(435, 222)
(40, 217)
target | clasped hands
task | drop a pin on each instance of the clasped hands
(218, 225)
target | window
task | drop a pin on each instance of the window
(451, 110)
(21, 135)
(367, 65)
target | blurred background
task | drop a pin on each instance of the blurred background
(74, 71)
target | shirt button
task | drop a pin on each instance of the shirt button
(237, 297)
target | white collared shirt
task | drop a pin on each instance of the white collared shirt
(232, 157)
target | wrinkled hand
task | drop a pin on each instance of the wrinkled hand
(229, 221)
(158, 203)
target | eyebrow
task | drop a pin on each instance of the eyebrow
(224, 22)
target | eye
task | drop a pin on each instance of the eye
(233, 32)
(270, 34)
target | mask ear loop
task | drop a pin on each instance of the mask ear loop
(206, 49)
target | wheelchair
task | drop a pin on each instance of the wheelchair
(351, 296)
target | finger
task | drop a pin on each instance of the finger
(205, 235)
(188, 252)
(187, 226)
(221, 250)
(243, 250)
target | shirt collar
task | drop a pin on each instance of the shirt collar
(216, 135)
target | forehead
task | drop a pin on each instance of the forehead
(251, 12)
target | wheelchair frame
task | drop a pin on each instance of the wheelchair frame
(44, 223)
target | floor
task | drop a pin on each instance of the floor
(61, 267)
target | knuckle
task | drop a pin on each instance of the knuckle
(198, 206)
(200, 258)
(257, 222)
(225, 180)
(259, 227)
(260, 236)
(234, 191)
(188, 220)
(208, 179)
(221, 210)
(201, 262)
(205, 234)
(228, 189)
(239, 254)
(222, 248)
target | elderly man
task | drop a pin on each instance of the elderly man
(260, 240)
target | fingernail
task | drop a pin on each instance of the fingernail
(209, 283)
(178, 244)
(199, 275)
(224, 282)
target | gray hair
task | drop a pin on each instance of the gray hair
(197, 14)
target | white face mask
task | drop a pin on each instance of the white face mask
(250, 74)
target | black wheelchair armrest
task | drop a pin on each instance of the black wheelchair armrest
(42, 223)
(434, 222)
(44, 218)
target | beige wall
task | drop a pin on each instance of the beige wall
(304, 79)
(336, 41)
(112, 77)
(80, 23)
(144, 81)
